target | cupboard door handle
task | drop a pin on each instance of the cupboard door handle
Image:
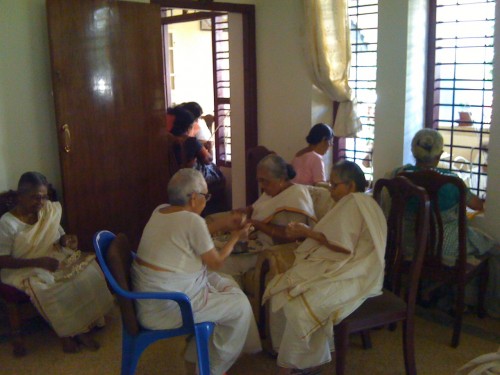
(66, 138)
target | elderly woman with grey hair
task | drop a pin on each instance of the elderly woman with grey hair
(281, 202)
(175, 253)
(427, 147)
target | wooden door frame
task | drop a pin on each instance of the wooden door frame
(247, 12)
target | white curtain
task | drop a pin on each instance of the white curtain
(328, 49)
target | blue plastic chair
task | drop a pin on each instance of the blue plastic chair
(115, 257)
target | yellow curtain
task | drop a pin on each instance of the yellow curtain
(328, 48)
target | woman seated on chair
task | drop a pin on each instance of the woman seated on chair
(281, 202)
(337, 267)
(308, 162)
(38, 258)
(176, 253)
(427, 147)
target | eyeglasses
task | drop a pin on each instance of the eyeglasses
(333, 185)
(206, 195)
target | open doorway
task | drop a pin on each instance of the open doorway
(198, 50)
(196, 59)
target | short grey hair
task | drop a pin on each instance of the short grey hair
(277, 167)
(183, 183)
(426, 145)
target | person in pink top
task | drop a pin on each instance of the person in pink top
(308, 162)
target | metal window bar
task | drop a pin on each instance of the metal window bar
(363, 15)
(222, 90)
(463, 89)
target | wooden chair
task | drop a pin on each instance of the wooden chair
(275, 260)
(390, 307)
(254, 156)
(18, 305)
(115, 257)
(434, 268)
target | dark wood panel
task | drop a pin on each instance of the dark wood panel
(108, 88)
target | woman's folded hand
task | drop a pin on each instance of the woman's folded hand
(297, 230)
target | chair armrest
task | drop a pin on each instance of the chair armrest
(270, 262)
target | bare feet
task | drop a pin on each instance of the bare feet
(69, 345)
(86, 340)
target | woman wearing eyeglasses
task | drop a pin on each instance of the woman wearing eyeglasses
(176, 253)
(308, 162)
(337, 267)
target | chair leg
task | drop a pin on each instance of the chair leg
(203, 331)
(341, 336)
(19, 350)
(459, 311)
(409, 346)
(130, 355)
(483, 285)
(367, 341)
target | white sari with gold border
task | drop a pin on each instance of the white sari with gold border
(323, 286)
(292, 204)
(73, 297)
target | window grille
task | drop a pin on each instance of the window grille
(460, 88)
(222, 90)
(363, 17)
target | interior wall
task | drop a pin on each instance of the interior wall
(283, 85)
(238, 163)
(27, 120)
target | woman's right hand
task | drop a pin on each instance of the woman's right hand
(47, 263)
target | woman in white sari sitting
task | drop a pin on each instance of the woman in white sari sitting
(281, 202)
(38, 258)
(174, 255)
(337, 267)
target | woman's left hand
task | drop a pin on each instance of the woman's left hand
(70, 241)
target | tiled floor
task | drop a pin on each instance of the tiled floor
(434, 355)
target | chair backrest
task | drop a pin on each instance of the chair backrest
(8, 199)
(433, 181)
(254, 156)
(115, 258)
(401, 191)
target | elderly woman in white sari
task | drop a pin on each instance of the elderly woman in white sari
(281, 202)
(38, 258)
(175, 254)
(337, 267)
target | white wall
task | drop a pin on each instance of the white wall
(283, 86)
(400, 82)
(27, 120)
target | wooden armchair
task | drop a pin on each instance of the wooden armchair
(277, 259)
(18, 305)
(435, 268)
(391, 307)
(254, 156)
